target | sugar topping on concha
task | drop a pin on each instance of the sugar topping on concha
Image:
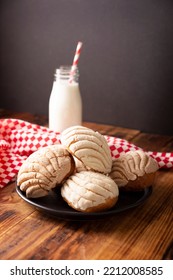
(88, 191)
(132, 166)
(89, 147)
(44, 169)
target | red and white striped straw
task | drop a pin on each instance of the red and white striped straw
(75, 60)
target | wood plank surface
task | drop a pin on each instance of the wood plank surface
(145, 232)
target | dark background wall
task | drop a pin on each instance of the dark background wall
(126, 65)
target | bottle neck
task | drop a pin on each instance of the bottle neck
(64, 75)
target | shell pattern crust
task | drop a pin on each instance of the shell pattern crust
(88, 147)
(45, 169)
(133, 166)
(89, 191)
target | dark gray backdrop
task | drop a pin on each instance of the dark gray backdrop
(125, 66)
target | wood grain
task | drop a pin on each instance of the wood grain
(145, 232)
(11, 208)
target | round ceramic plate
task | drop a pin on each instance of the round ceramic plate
(54, 204)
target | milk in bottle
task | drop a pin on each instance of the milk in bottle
(65, 104)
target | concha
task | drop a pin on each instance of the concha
(45, 169)
(134, 170)
(89, 147)
(89, 191)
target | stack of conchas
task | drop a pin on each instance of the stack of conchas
(90, 190)
(83, 168)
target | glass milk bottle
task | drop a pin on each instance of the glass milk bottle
(65, 104)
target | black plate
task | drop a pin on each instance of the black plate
(54, 204)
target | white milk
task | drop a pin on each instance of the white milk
(65, 104)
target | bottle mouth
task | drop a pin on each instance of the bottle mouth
(64, 73)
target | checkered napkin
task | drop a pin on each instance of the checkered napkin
(19, 139)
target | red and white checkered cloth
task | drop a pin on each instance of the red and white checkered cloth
(18, 139)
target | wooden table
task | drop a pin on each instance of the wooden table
(145, 232)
